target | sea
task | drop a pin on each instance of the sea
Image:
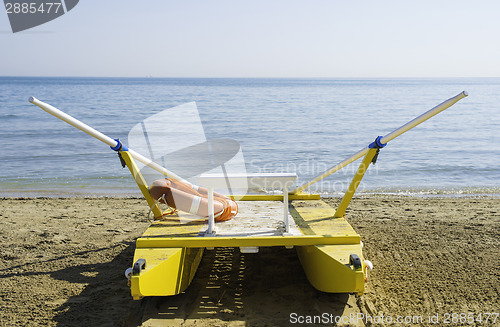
(297, 125)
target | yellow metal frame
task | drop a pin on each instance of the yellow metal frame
(141, 182)
(212, 242)
(356, 180)
(172, 251)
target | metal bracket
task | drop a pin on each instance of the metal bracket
(122, 161)
(355, 261)
(139, 265)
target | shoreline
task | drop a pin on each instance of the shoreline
(493, 191)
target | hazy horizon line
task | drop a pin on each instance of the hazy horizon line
(257, 77)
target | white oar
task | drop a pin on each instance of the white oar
(114, 144)
(383, 140)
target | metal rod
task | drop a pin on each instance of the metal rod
(285, 208)
(389, 137)
(103, 138)
(423, 117)
(211, 213)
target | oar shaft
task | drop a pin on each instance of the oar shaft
(330, 171)
(389, 137)
(103, 138)
(423, 117)
(157, 167)
(73, 122)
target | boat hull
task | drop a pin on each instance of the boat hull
(328, 269)
(167, 271)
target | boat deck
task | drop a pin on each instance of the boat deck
(259, 223)
(256, 218)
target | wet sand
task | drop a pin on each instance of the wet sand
(63, 262)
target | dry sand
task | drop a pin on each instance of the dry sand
(62, 263)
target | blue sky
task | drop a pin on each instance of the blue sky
(272, 38)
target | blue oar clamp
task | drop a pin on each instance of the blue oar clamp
(377, 144)
(119, 146)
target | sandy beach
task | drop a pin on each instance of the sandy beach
(63, 262)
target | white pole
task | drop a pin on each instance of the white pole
(423, 117)
(389, 137)
(103, 138)
(73, 122)
(285, 208)
(211, 212)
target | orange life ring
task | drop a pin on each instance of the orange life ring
(195, 201)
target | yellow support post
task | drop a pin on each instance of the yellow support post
(141, 182)
(356, 180)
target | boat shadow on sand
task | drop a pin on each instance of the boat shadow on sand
(268, 288)
(103, 297)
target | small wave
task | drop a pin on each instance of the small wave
(434, 192)
(9, 116)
